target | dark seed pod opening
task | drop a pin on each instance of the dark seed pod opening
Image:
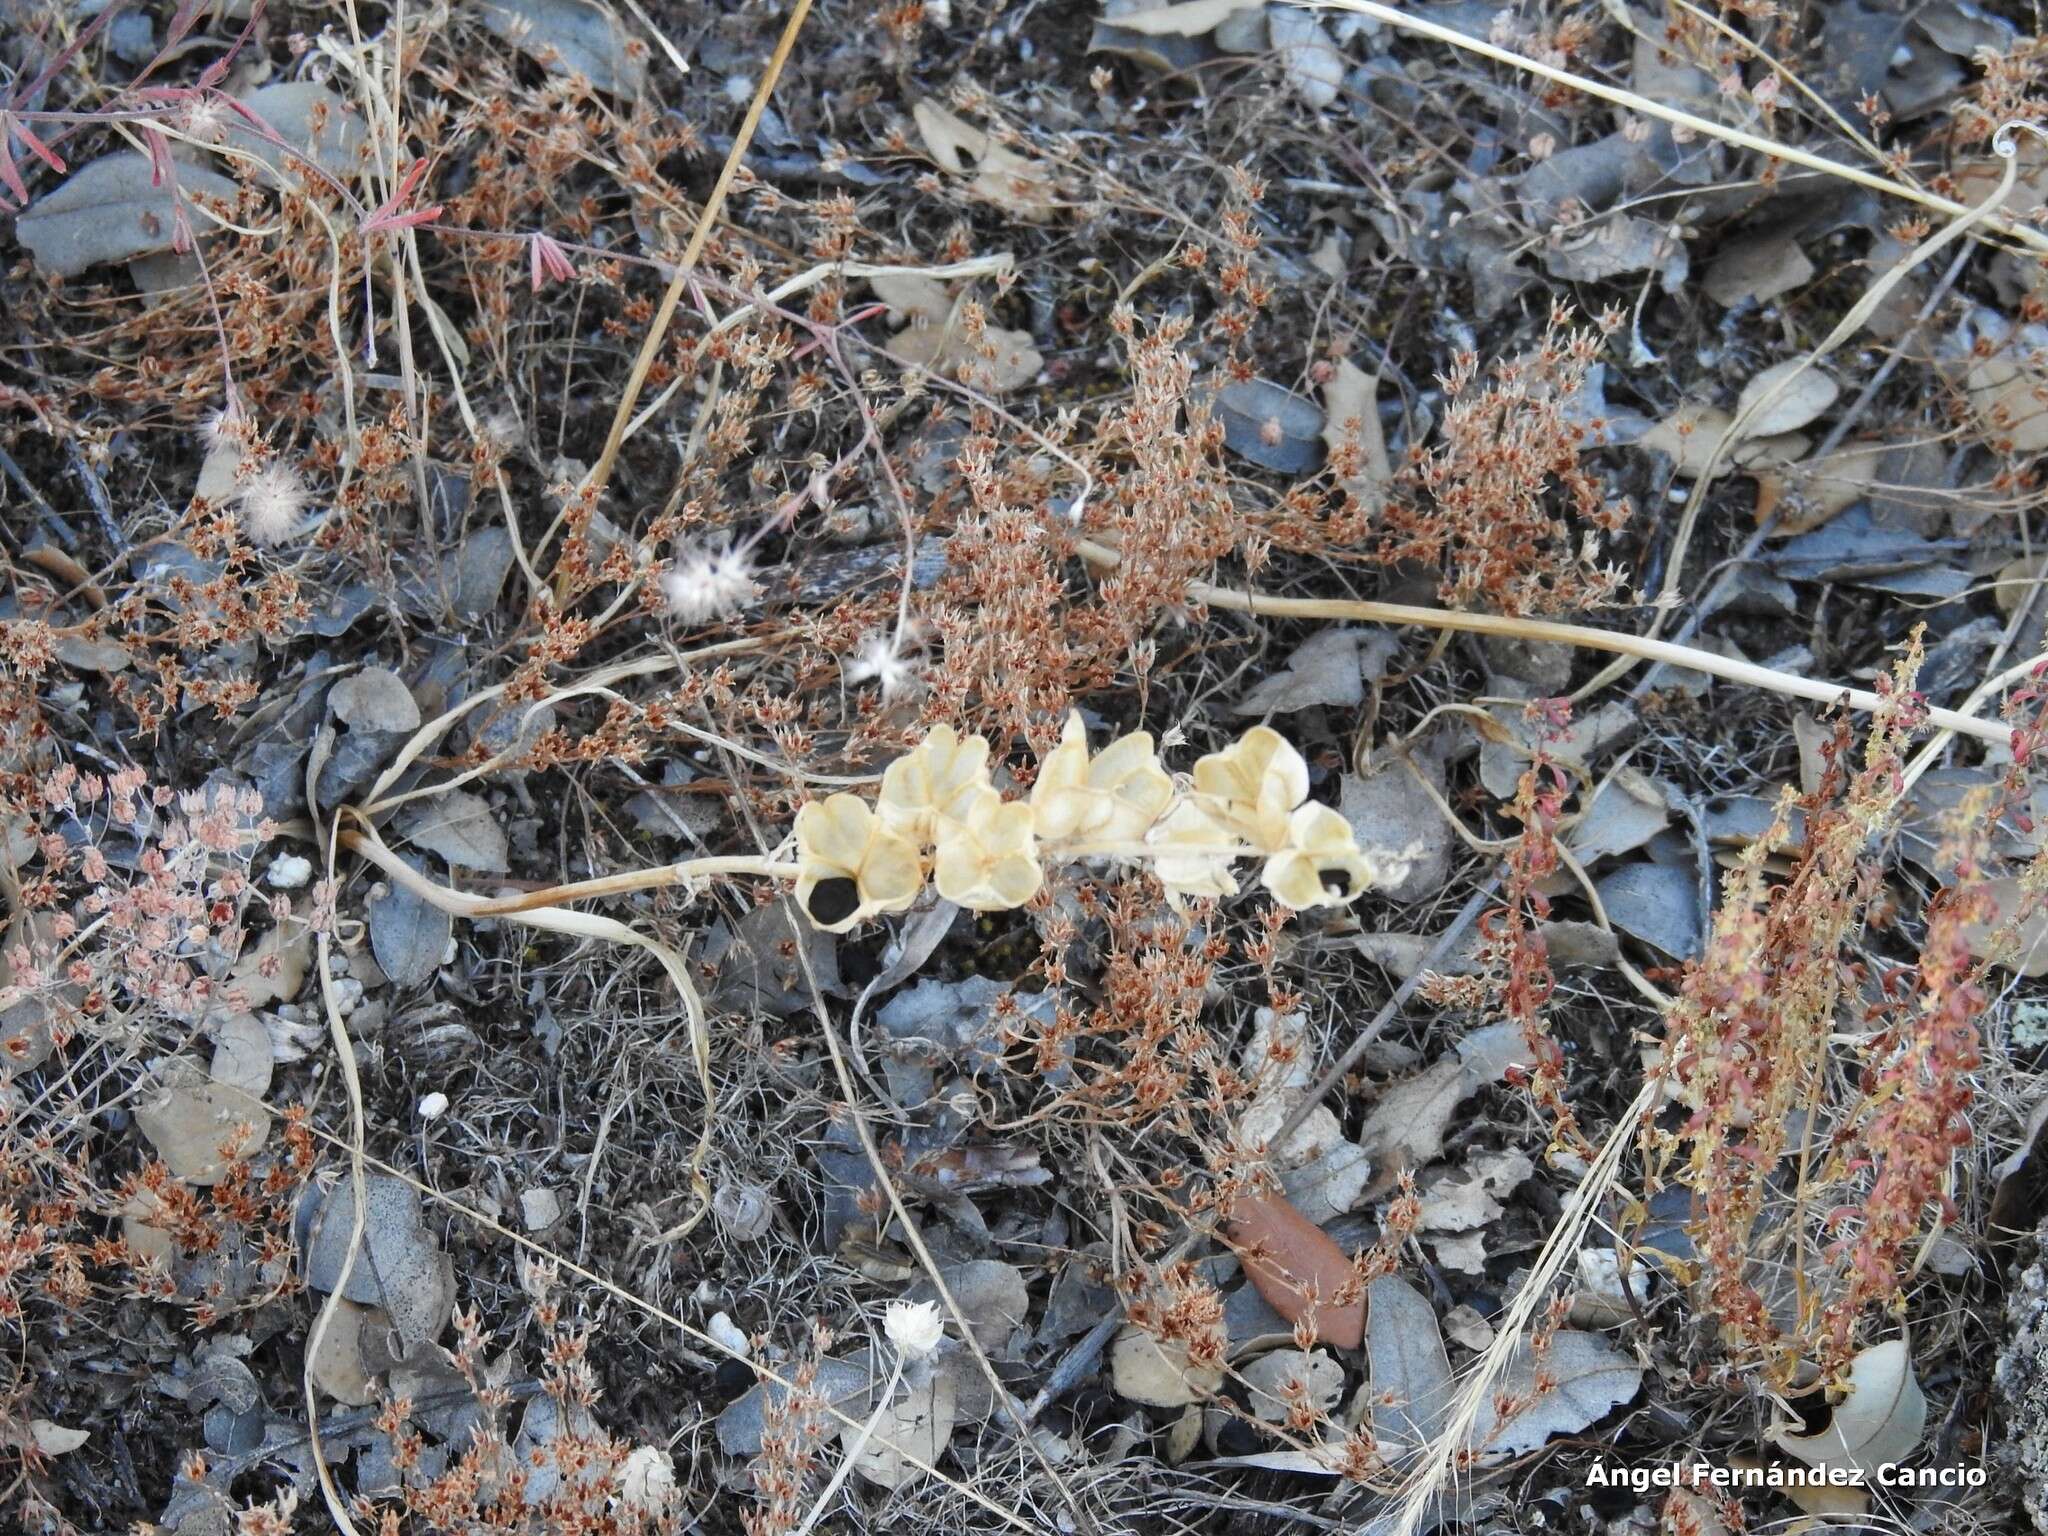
(834, 900)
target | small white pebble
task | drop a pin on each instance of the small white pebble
(726, 1331)
(433, 1106)
(348, 992)
(288, 872)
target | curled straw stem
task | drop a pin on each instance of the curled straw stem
(1583, 636)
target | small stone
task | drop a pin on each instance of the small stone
(433, 1106)
(539, 1209)
(288, 872)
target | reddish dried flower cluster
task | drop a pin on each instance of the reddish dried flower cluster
(1517, 954)
(1502, 505)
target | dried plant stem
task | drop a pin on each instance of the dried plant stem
(1408, 21)
(352, 1085)
(1582, 636)
(622, 416)
(1447, 1452)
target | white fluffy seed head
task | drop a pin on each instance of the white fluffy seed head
(914, 1327)
(878, 659)
(272, 503)
(705, 584)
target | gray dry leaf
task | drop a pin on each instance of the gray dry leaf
(1657, 903)
(317, 123)
(25, 1025)
(1879, 1421)
(283, 953)
(459, 827)
(916, 1425)
(190, 1116)
(1330, 1184)
(1157, 1373)
(1789, 395)
(1411, 1371)
(991, 1295)
(843, 1383)
(1627, 810)
(374, 699)
(1190, 18)
(569, 37)
(243, 1056)
(1394, 817)
(1405, 1127)
(1690, 434)
(1273, 427)
(1272, 1377)
(399, 1267)
(1330, 667)
(1593, 1379)
(1502, 759)
(111, 211)
(408, 933)
(2009, 392)
(1757, 268)
(337, 1365)
(1460, 1205)
(1311, 62)
(1616, 246)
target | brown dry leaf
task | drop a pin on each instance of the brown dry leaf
(1820, 489)
(1351, 429)
(1289, 1258)
(932, 336)
(999, 174)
